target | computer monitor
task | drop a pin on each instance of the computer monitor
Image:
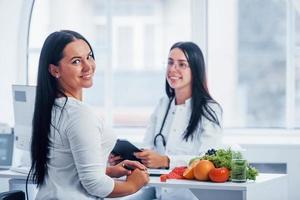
(6, 149)
(23, 104)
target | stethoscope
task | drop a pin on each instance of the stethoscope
(162, 125)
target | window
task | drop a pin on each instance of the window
(252, 51)
(262, 62)
(297, 63)
(131, 40)
(247, 53)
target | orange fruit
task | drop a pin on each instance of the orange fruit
(202, 169)
(189, 172)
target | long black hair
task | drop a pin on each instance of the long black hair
(201, 99)
(47, 90)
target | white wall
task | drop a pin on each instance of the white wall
(8, 61)
(12, 50)
(13, 57)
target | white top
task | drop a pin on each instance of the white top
(177, 149)
(78, 155)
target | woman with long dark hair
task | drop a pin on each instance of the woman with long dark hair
(70, 146)
(186, 123)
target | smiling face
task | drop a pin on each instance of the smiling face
(179, 74)
(76, 68)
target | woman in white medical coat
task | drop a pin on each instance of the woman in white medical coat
(185, 123)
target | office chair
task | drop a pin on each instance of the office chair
(13, 195)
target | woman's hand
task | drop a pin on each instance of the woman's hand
(152, 159)
(135, 181)
(124, 168)
(114, 160)
(138, 178)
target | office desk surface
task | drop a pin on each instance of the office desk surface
(267, 186)
(261, 179)
(12, 174)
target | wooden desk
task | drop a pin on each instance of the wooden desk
(266, 187)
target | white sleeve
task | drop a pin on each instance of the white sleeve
(85, 138)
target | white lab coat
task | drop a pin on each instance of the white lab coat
(208, 136)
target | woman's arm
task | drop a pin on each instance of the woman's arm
(85, 136)
(136, 180)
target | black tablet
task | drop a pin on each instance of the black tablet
(125, 149)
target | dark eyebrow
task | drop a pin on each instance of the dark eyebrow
(76, 57)
(180, 60)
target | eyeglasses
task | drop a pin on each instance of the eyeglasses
(180, 64)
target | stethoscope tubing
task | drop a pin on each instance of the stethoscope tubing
(163, 124)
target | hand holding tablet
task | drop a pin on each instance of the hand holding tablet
(125, 149)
